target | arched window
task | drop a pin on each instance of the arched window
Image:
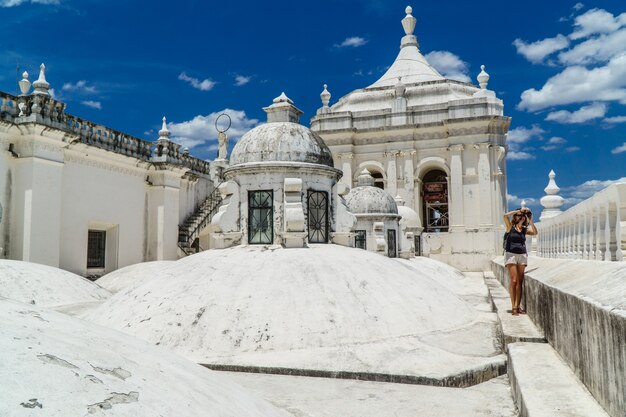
(435, 201)
(378, 179)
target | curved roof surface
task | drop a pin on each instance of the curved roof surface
(45, 285)
(370, 200)
(104, 372)
(281, 142)
(325, 307)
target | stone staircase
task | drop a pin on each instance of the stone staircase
(189, 231)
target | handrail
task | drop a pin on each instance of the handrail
(46, 110)
(592, 229)
(213, 203)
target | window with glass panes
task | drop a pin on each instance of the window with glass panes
(96, 248)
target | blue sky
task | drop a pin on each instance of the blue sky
(561, 71)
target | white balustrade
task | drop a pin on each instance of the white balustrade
(593, 229)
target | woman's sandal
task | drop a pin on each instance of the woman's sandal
(521, 310)
(515, 311)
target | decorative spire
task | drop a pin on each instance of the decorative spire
(408, 23)
(483, 78)
(164, 133)
(551, 202)
(282, 98)
(365, 179)
(523, 204)
(41, 85)
(24, 83)
(325, 95)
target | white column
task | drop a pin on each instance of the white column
(392, 173)
(486, 202)
(409, 179)
(346, 167)
(455, 192)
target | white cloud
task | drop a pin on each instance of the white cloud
(201, 129)
(515, 201)
(517, 137)
(79, 87)
(582, 115)
(12, 3)
(596, 21)
(616, 119)
(449, 65)
(578, 84)
(204, 85)
(619, 149)
(578, 193)
(522, 134)
(353, 41)
(556, 141)
(578, 6)
(535, 52)
(242, 80)
(596, 50)
(92, 104)
(572, 149)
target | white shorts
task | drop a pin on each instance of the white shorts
(515, 258)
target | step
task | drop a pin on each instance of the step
(544, 386)
(514, 328)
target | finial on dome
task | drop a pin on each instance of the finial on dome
(24, 83)
(365, 179)
(523, 205)
(41, 85)
(399, 201)
(282, 110)
(551, 202)
(282, 98)
(408, 23)
(483, 78)
(325, 95)
(164, 133)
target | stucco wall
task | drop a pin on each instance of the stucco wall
(99, 198)
(5, 196)
(581, 308)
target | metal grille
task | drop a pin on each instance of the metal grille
(318, 216)
(359, 239)
(260, 217)
(391, 243)
(96, 246)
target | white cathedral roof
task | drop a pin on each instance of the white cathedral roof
(325, 307)
(45, 285)
(55, 365)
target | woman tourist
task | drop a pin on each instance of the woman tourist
(516, 254)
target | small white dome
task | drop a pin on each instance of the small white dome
(370, 200)
(281, 142)
(367, 199)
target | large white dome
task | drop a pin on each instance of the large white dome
(281, 142)
(326, 307)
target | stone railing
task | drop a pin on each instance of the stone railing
(42, 109)
(593, 229)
